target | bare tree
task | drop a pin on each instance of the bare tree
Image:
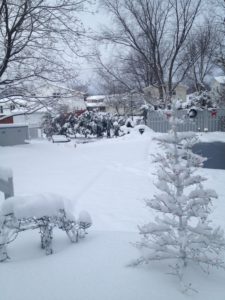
(126, 71)
(127, 104)
(36, 37)
(110, 75)
(202, 50)
(217, 11)
(158, 31)
(118, 104)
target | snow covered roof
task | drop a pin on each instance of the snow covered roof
(99, 104)
(12, 125)
(35, 105)
(73, 102)
(96, 97)
(35, 109)
(178, 85)
(11, 100)
(220, 79)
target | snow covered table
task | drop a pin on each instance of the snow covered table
(60, 138)
(43, 212)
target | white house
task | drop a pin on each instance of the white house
(179, 93)
(218, 90)
(218, 84)
(20, 112)
(96, 102)
(63, 96)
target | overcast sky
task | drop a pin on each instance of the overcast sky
(92, 22)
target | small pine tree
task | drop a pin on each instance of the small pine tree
(182, 231)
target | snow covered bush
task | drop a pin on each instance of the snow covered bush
(182, 231)
(201, 100)
(60, 123)
(88, 124)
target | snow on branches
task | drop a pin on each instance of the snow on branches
(182, 230)
(88, 124)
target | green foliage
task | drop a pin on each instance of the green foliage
(88, 124)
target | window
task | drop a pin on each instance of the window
(56, 95)
(12, 106)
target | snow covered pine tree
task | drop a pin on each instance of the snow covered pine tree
(182, 231)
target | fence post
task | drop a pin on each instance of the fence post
(6, 182)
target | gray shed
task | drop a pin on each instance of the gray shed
(11, 134)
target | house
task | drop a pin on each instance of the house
(59, 96)
(16, 110)
(96, 102)
(218, 85)
(218, 90)
(179, 93)
(5, 112)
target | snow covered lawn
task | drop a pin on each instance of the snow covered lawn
(108, 178)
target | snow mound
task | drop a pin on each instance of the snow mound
(37, 205)
(144, 127)
(136, 131)
(84, 217)
(5, 173)
(208, 137)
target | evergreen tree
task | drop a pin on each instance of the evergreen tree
(48, 125)
(182, 231)
(90, 123)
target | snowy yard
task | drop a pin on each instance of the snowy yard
(110, 179)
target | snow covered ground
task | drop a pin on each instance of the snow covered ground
(110, 179)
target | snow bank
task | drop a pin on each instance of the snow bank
(212, 137)
(5, 173)
(110, 178)
(94, 269)
(36, 206)
(135, 131)
(144, 127)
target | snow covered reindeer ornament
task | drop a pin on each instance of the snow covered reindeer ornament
(182, 232)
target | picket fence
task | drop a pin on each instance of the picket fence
(205, 120)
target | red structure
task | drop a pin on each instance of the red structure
(8, 120)
(79, 112)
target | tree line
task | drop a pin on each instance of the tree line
(153, 42)
(161, 43)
